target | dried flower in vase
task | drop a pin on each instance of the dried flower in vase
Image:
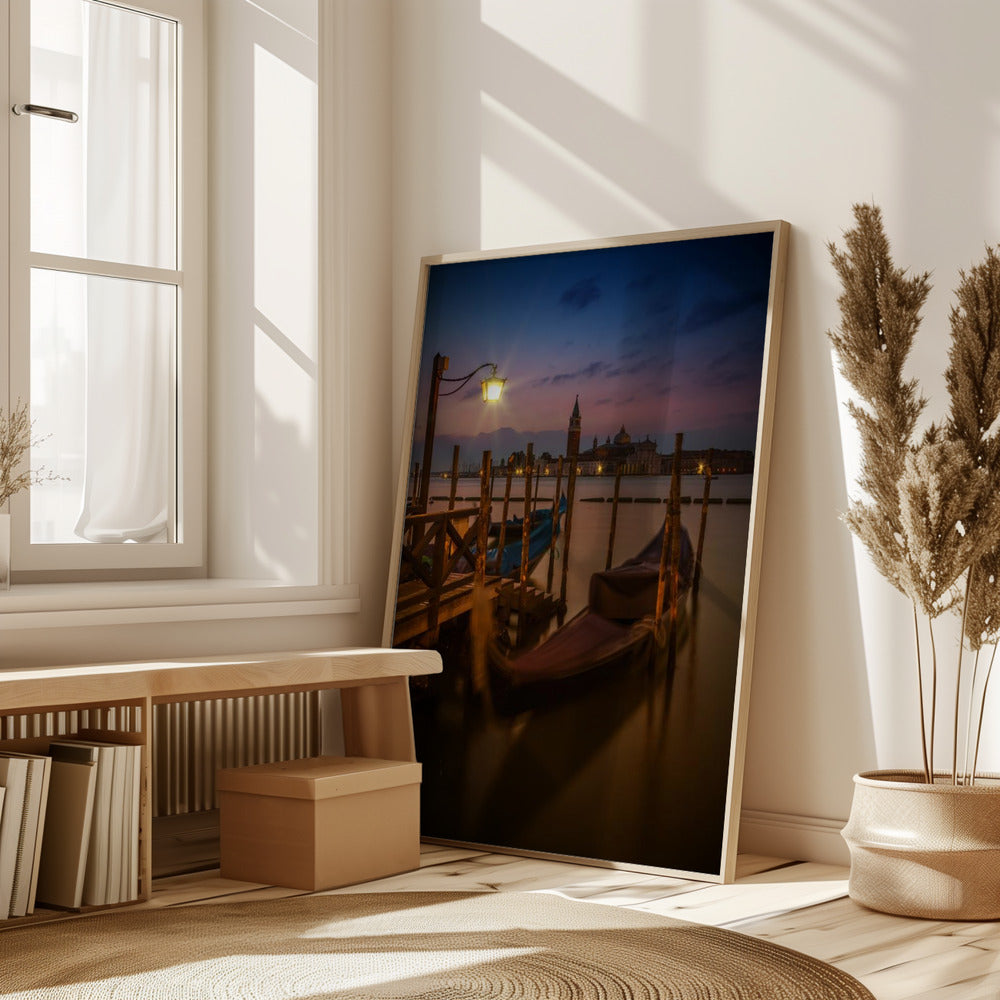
(930, 514)
(16, 441)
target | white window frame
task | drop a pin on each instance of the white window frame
(36, 608)
(188, 552)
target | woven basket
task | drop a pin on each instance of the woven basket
(921, 850)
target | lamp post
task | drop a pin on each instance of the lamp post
(492, 386)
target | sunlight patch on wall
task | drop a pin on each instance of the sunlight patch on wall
(285, 348)
(546, 198)
(573, 40)
(285, 182)
(812, 51)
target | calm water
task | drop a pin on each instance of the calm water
(625, 767)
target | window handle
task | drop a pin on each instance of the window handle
(41, 109)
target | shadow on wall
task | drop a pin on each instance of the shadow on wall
(607, 169)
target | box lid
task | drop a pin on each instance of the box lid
(318, 777)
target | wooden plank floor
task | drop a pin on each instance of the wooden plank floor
(800, 905)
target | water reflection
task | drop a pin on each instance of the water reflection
(628, 765)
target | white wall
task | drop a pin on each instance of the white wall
(532, 121)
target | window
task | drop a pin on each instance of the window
(107, 264)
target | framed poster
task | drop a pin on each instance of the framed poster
(578, 533)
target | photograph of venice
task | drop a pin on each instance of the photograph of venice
(578, 511)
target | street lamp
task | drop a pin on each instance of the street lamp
(492, 386)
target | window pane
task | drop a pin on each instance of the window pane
(102, 354)
(105, 187)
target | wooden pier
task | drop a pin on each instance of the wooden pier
(445, 573)
(438, 571)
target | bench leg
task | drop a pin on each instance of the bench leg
(377, 720)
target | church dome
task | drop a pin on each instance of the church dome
(622, 437)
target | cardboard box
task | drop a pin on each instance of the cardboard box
(321, 822)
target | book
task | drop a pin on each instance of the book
(130, 887)
(108, 863)
(95, 884)
(39, 836)
(116, 824)
(32, 827)
(66, 840)
(14, 778)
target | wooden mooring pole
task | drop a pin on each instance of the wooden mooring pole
(701, 527)
(502, 540)
(570, 493)
(438, 560)
(614, 518)
(675, 554)
(483, 524)
(480, 620)
(669, 545)
(454, 477)
(555, 525)
(525, 542)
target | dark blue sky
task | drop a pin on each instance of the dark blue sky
(661, 337)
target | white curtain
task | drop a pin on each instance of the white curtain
(130, 157)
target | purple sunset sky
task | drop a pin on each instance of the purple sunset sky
(662, 337)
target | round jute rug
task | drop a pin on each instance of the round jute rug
(376, 946)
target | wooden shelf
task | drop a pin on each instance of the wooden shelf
(116, 702)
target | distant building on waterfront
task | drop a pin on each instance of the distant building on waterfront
(633, 457)
(641, 458)
(638, 458)
(723, 462)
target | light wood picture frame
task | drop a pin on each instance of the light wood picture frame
(585, 552)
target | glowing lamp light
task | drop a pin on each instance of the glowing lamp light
(493, 386)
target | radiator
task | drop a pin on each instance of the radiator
(191, 740)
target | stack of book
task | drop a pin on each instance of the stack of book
(25, 780)
(90, 847)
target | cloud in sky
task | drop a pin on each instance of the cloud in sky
(581, 294)
(709, 311)
(643, 365)
(592, 370)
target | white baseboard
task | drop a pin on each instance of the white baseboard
(798, 838)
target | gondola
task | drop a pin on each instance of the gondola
(539, 540)
(615, 631)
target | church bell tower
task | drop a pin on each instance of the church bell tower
(573, 436)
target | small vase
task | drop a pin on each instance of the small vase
(922, 850)
(4, 551)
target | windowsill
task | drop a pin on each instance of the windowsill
(54, 605)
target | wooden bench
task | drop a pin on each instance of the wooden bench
(119, 700)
